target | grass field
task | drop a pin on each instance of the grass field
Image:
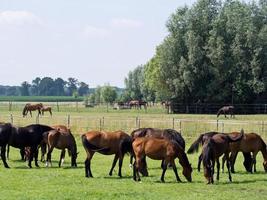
(19, 182)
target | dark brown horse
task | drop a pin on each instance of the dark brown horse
(21, 137)
(169, 134)
(61, 140)
(31, 107)
(226, 110)
(46, 109)
(160, 149)
(200, 141)
(213, 148)
(107, 143)
(137, 104)
(250, 143)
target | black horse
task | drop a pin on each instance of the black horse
(21, 137)
(226, 110)
(169, 134)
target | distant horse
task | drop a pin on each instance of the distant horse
(46, 109)
(226, 110)
(137, 104)
(251, 142)
(201, 139)
(160, 149)
(169, 134)
(61, 140)
(31, 107)
(213, 148)
(107, 143)
(21, 137)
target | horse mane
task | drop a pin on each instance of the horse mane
(175, 135)
(194, 147)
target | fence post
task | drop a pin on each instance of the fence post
(222, 127)
(9, 105)
(57, 107)
(103, 122)
(139, 122)
(100, 124)
(37, 119)
(262, 128)
(11, 119)
(173, 123)
(136, 122)
(217, 125)
(68, 121)
(76, 106)
(180, 126)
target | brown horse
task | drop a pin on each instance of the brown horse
(31, 107)
(61, 140)
(160, 149)
(251, 142)
(46, 109)
(213, 148)
(138, 104)
(226, 110)
(107, 143)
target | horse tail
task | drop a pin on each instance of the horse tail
(126, 145)
(238, 138)
(194, 147)
(88, 145)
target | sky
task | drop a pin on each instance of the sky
(95, 41)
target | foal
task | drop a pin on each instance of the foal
(107, 143)
(160, 149)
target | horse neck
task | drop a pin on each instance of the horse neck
(183, 160)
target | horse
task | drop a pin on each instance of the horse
(31, 107)
(61, 140)
(226, 110)
(107, 143)
(251, 142)
(169, 134)
(21, 137)
(213, 148)
(46, 108)
(137, 104)
(202, 138)
(160, 149)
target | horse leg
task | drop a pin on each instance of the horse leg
(254, 154)
(32, 150)
(48, 157)
(50, 113)
(137, 165)
(87, 163)
(175, 171)
(218, 168)
(36, 157)
(131, 161)
(164, 168)
(232, 160)
(223, 161)
(43, 150)
(62, 156)
(199, 162)
(22, 154)
(120, 164)
(113, 164)
(7, 152)
(3, 155)
(228, 163)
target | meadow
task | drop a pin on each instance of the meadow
(20, 182)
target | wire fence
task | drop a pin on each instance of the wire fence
(190, 128)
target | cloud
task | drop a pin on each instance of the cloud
(18, 18)
(125, 23)
(95, 32)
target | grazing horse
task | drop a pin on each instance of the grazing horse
(213, 148)
(169, 134)
(251, 142)
(160, 149)
(138, 104)
(32, 107)
(106, 143)
(202, 138)
(61, 140)
(21, 137)
(45, 109)
(226, 110)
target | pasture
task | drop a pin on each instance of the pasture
(20, 182)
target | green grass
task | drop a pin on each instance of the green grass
(19, 182)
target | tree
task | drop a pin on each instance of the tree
(59, 85)
(72, 85)
(108, 93)
(83, 89)
(24, 89)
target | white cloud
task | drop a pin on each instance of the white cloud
(18, 18)
(95, 32)
(125, 23)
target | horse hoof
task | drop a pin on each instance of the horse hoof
(6, 166)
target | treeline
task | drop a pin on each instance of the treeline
(47, 87)
(215, 52)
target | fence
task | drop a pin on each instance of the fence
(190, 128)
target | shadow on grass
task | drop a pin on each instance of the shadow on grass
(117, 177)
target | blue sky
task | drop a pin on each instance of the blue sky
(96, 41)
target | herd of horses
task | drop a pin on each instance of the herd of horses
(39, 107)
(158, 144)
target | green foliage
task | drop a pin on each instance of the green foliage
(108, 93)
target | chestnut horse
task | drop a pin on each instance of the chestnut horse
(226, 110)
(31, 107)
(213, 148)
(160, 149)
(61, 140)
(169, 134)
(137, 104)
(107, 143)
(46, 109)
(201, 139)
(251, 142)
